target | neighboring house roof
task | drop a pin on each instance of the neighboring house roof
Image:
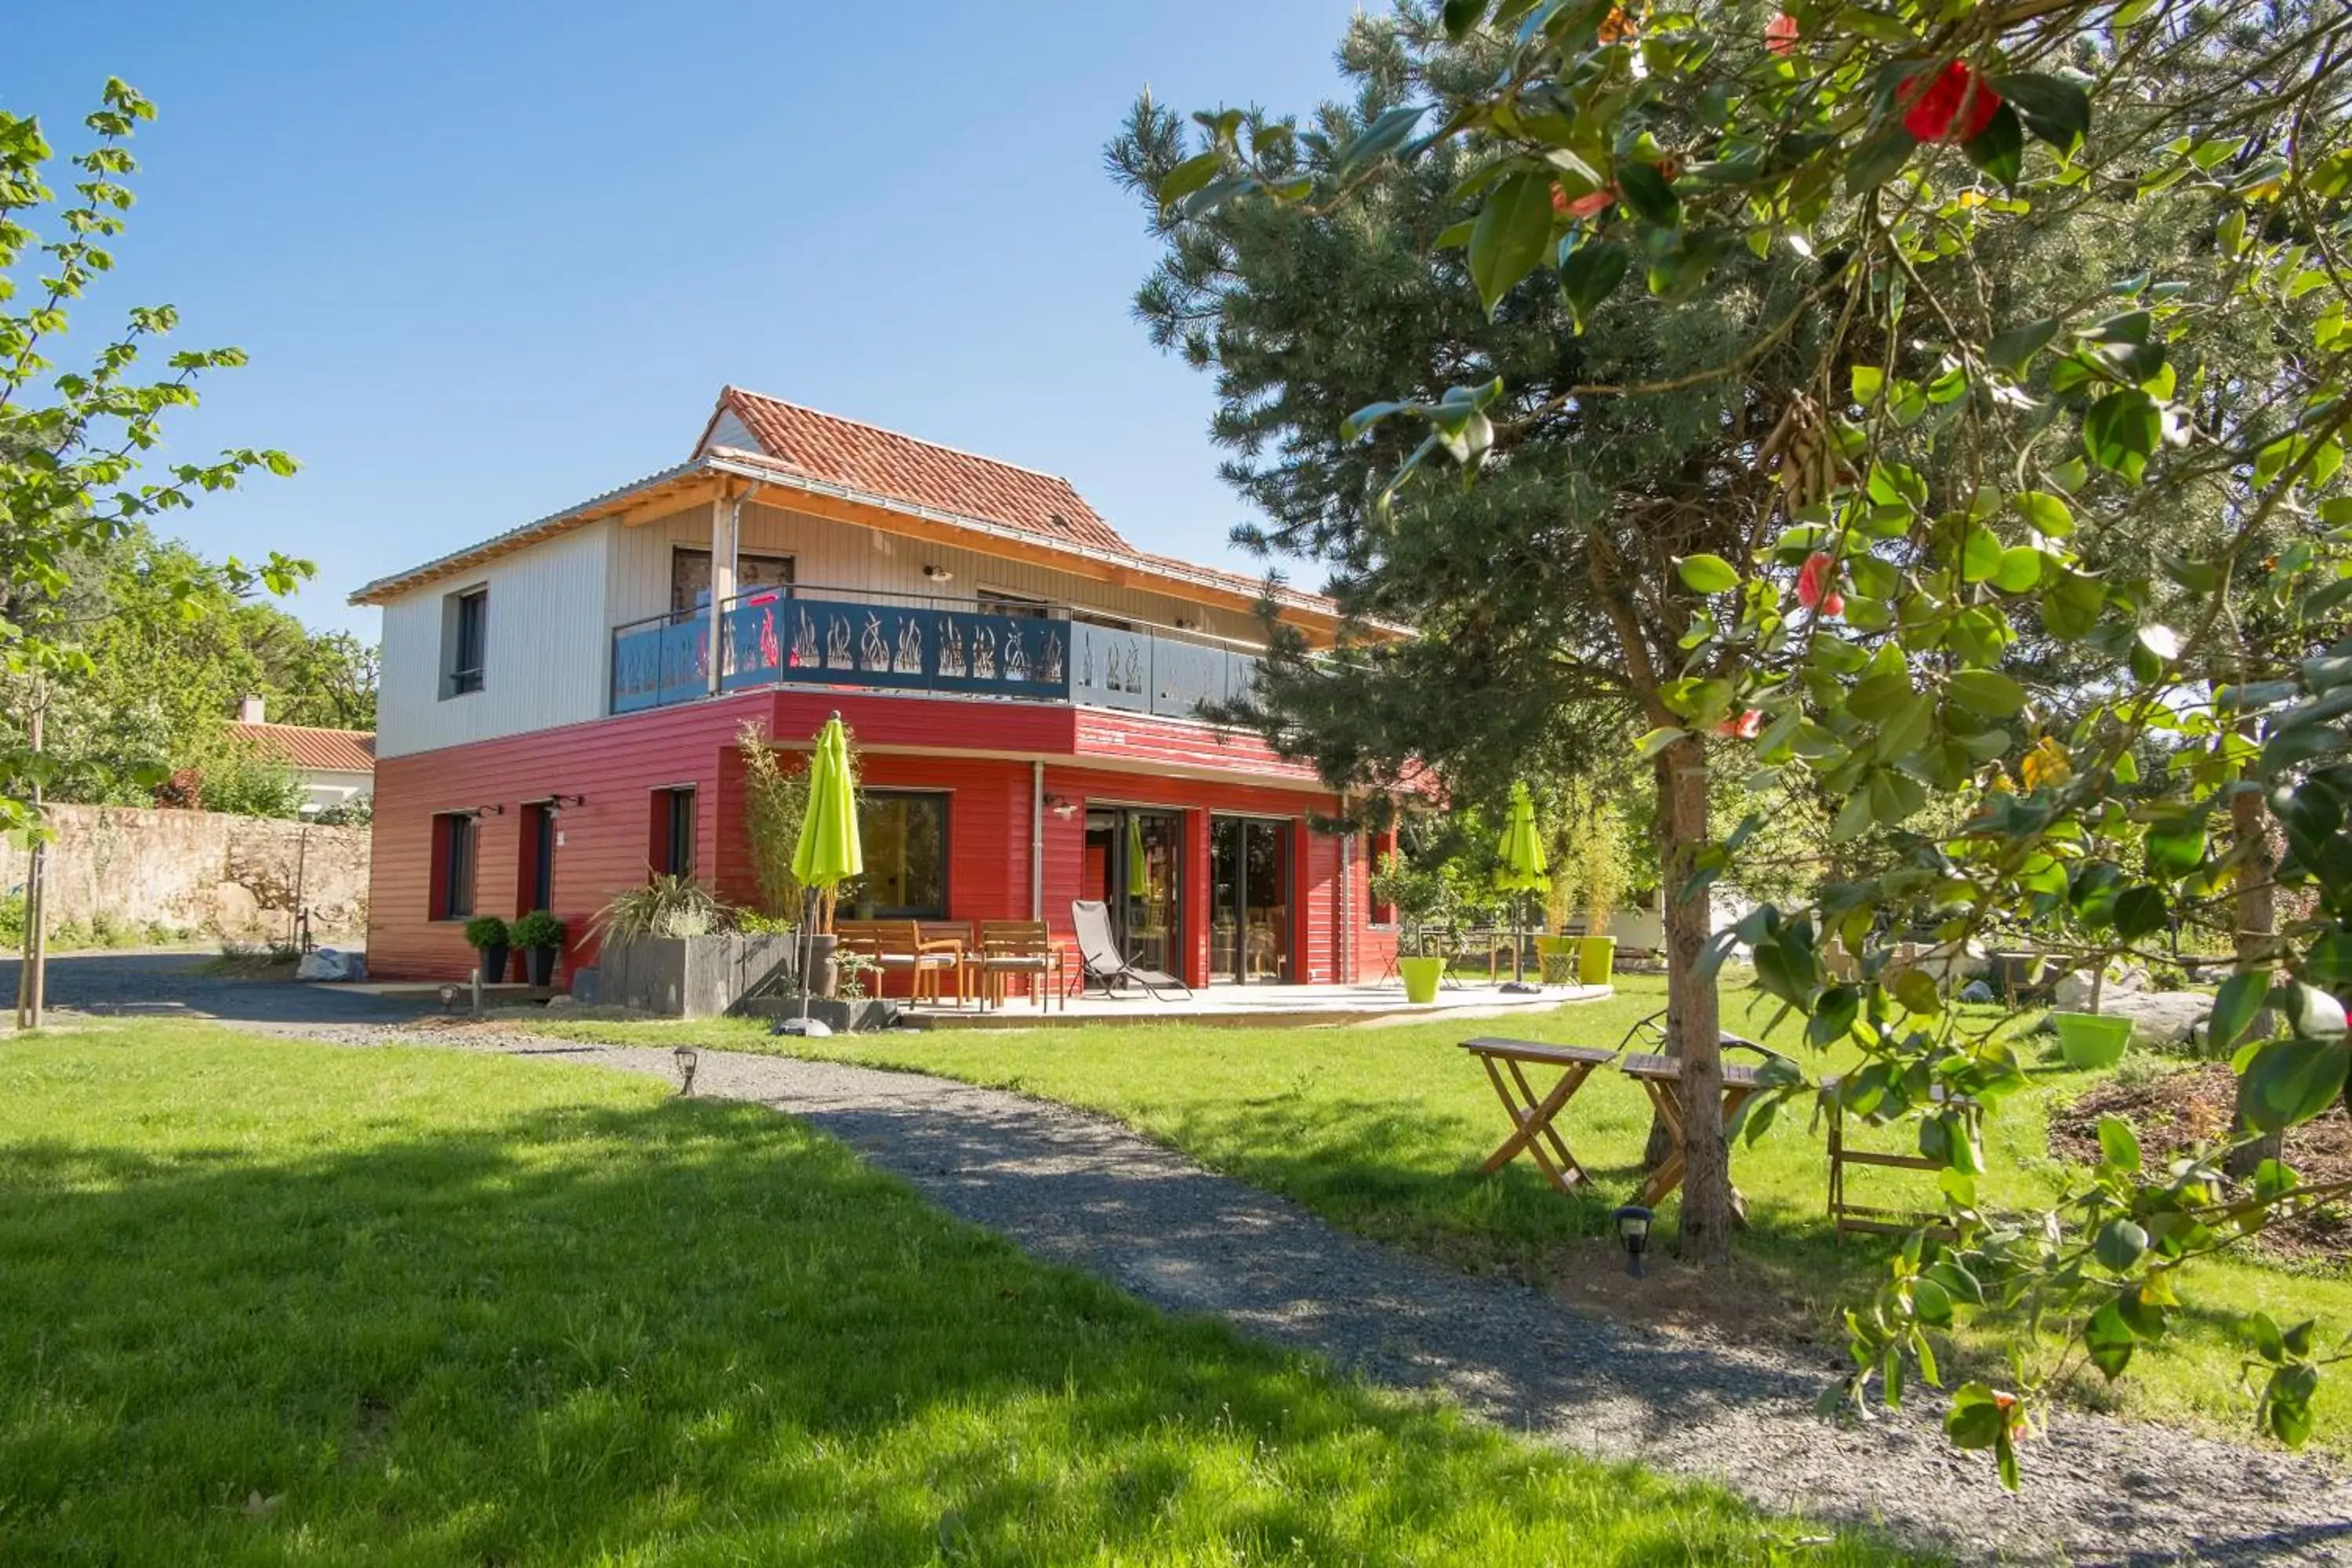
(823, 455)
(320, 751)
(884, 463)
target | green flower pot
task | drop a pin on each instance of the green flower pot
(2092, 1039)
(1420, 977)
(1596, 960)
(1556, 959)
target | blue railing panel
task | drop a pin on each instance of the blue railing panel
(1183, 676)
(833, 642)
(768, 640)
(1109, 668)
(1241, 675)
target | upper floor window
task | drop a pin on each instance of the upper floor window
(465, 640)
(690, 578)
(999, 601)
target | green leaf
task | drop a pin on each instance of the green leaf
(2286, 1403)
(1385, 135)
(2018, 570)
(2106, 1336)
(2118, 1145)
(1657, 741)
(1868, 381)
(1461, 16)
(2053, 109)
(2140, 911)
(1589, 274)
(2120, 1244)
(1188, 176)
(2000, 148)
(2010, 349)
(2121, 431)
(1975, 1419)
(1986, 692)
(1980, 554)
(2045, 513)
(2288, 1083)
(2235, 1007)
(1649, 193)
(1880, 156)
(1704, 574)
(1513, 231)
(2176, 846)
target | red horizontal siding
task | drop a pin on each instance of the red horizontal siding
(977, 752)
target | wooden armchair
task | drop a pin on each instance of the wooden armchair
(1025, 948)
(897, 947)
(933, 933)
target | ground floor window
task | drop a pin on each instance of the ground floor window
(672, 852)
(453, 865)
(904, 835)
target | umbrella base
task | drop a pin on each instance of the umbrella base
(813, 1027)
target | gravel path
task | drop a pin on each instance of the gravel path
(1080, 1190)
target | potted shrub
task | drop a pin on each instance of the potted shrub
(488, 937)
(540, 937)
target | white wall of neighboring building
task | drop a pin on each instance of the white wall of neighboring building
(323, 787)
(546, 658)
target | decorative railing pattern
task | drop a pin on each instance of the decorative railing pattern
(770, 638)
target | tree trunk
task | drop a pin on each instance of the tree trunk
(2256, 918)
(1694, 1024)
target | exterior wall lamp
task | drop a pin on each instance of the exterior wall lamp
(556, 803)
(1064, 809)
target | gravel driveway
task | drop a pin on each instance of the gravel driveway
(1080, 1190)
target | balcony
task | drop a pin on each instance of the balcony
(907, 643)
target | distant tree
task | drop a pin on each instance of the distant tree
(164, 646)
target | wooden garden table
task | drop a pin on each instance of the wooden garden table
(1662, 1076)
(1532, 1116)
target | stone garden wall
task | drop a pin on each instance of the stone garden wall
(196, 872)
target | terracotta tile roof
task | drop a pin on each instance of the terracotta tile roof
(336, 751)
(885, 463)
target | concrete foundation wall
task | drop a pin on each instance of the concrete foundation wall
(198, 870)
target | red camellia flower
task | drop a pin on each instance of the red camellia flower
(1585, 206)
(1816, 581)
(1746, 727)
(1933, 109)
(1781, 35)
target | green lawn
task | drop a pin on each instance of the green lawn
(266, 1302)
(1381, 1131)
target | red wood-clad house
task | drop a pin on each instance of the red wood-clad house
(560, 704)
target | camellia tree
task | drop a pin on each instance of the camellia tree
(2080, 564)
(74, 442)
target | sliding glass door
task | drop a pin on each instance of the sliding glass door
(1249, 892)
(1134, 864)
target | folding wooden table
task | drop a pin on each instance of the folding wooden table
(1662, 1076)
(1532, 1115)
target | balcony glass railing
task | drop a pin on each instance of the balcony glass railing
(836, 637)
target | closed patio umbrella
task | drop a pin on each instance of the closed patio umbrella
(1523, 869)
(827, 853)
(1139, 876)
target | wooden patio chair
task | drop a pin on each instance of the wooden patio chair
(959, 932)
(896, 947)
(1025, 947)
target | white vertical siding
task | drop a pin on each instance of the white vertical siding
(544, 664)
(828, 554)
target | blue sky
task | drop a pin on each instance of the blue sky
(490, 258)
